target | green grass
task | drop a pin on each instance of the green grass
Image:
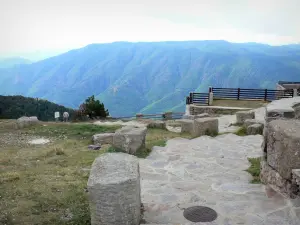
(46, 184)
(242, 131)
(254, 169)
(69, 130)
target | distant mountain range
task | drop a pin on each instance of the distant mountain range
(151, 77)
(11, 62)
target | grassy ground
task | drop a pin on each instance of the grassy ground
(239, 103)
(46, 184)
(254, 169)
(242, 131)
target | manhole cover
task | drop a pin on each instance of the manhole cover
(200, 214)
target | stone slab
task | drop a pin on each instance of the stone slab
(249, 122)
(241, 116)
(284, 108)
(187, 126)
(255, 129)
(130, 139)
(215, 110)
(104, 138)
(206, 126)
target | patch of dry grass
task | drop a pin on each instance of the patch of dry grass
(239, 103)
(46, 184)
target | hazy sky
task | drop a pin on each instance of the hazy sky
(32, 25)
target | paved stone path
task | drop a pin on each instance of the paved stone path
(210, 172)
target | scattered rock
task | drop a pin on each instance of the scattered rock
(130, 139)
(254, 129)
(105, 138)
(94, 147)
(25, 121)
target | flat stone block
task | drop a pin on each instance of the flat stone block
(255, 129)
(283, 146)
(105, 138)
(114, 190)
(206, 126)
(241, 116)
(249, 122)
(157, 124)
(130, 139)
(187, 126)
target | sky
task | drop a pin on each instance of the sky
(30, 27)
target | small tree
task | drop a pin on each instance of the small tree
(93, 108)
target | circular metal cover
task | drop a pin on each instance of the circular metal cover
(200, 214)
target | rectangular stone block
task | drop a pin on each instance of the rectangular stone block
(283, 146)
(114, 190)
(104, 138)
(241, 116)
(206, 126)
(130, 139)
(187, 126)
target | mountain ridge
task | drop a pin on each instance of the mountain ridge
(151, 77)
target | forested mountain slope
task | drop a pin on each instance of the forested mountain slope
(151, 77)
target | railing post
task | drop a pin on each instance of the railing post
(188, 100)
(191, 98)
(266, 94)
(139, 116)
(238, 95)
(295, 92)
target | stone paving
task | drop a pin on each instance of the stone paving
(210, 172)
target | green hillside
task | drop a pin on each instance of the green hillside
(151, 77)
(14, 107)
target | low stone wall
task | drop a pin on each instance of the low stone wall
(283, 109)
(281, 146)
(215, 110)
(114, 190)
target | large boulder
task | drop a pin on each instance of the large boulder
(105, 138)
(241, 116)
(206, 126)
(114, 190)
(130, 139)
(283, 146)
(254, 129)
(25, 121)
